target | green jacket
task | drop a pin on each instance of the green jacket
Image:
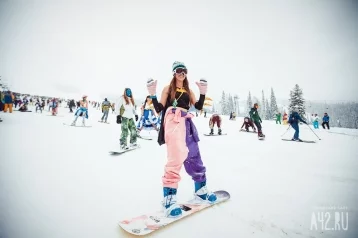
(254, 115)
(278, 117)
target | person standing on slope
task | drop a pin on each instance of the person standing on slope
(179, 133)
(105, 110)
(315, 122)
(278, 118)
(294, 119)
(325, 121)
(126, 111)
(215, 119)
(255, 117)
(81, 111)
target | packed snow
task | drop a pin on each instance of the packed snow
(59, 181)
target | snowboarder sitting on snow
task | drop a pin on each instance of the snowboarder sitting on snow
(255, 117)
(325, 120)
(294, 119)
(248, 123)
(215, 119)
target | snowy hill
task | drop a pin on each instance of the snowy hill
(58, 181)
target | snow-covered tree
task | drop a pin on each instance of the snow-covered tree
(236, 104)
(296, 99)
(223, 104)
(273, 105)
(268, 115)
(230, 104)
(249, 103)
(262, 107)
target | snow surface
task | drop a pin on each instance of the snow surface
(58, 181)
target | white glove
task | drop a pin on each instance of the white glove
(152, 86)
(203, 86)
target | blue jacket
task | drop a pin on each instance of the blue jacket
(8, 98)
(295, 118)
(325, 119)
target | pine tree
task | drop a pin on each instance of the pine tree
(268, 115)
(296, 99)
(249, 103)
(262, 108)
(273, 105)
(223, 104)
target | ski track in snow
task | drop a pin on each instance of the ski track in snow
(58, 181)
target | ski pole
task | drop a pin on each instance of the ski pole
(313, 131)
(286, 130)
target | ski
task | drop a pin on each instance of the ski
(150, 222)
(303, 141)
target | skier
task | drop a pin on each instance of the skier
(294, 119)
(81, 111)
(315, 122)
(148, 120)
(255, 117)
(8, 101)
(126, 111)
(248, 123)
(215, 119)
(105, 110)
(38, 105)
(284, 119)
(278, 118)
(325, 121)
(179, 133)
(54, 107)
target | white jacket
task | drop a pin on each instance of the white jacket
(129, 110)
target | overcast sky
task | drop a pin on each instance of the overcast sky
(98, 48)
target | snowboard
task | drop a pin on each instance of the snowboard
(248, 131)
(303, 141)
(144, 138)
(55, 115)
(22, 111)
(76, 125)
(150, 222)
(224, 134)
(103, 122)
(119, 151)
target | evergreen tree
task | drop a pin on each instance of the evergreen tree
(273, 105)
(223, 104)
(296, 99)
(262, 108)
(249, 103)
(268, 115)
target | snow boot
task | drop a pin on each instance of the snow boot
(170, 205)
(219, 131)
(202, 193)
(211, 132)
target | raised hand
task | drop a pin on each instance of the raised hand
(152, 86)
(203, 86)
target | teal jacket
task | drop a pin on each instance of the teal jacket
(254, 115)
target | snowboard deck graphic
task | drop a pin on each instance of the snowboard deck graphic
(76, 125)
(148, 223)
(119, 151)
(224, 134)
(303, 141)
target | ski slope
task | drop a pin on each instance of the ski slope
(58, 181)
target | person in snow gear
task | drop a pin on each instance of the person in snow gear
(149, 119)
(278, 118)
(255, 117)
(178, 131)
(315, 122)
(215, 119)
(81, 111)
(126, 111)
(105, 110)
(293, 120)
(285, 119)
(325, 121)
(248, 123)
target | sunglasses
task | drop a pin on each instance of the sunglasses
(181, 71)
